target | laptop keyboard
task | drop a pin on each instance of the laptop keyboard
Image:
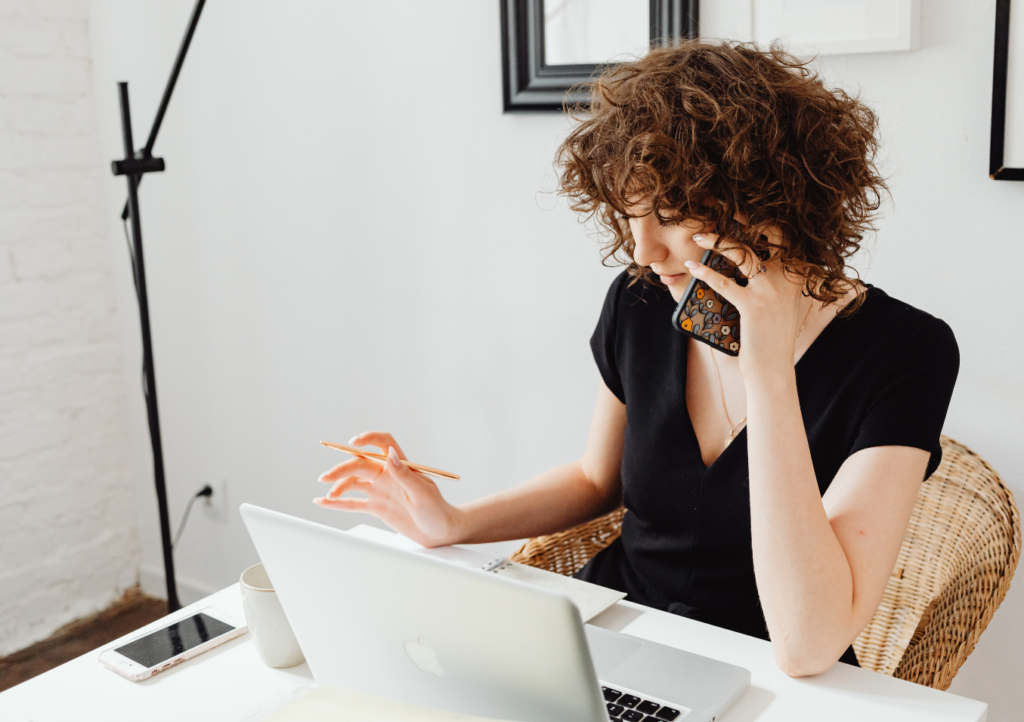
(629, 707)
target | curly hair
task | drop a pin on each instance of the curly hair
(755, 130)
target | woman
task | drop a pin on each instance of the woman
(767, 493)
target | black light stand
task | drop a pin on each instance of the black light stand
(134, 166)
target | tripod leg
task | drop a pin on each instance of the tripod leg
(147, 357)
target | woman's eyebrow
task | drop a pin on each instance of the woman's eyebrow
(636, 215)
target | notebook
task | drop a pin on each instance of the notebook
(328, 703)
(590, 599)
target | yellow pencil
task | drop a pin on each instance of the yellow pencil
(355, 451)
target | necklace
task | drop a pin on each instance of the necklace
(721, 394)
(721, 391)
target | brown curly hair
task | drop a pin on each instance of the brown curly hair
(754, 129)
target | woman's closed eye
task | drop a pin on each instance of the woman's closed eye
(662, 219)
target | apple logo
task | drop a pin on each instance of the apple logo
(423, 656)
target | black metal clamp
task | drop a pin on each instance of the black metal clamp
(137, 166)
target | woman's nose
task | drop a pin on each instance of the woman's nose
(647, 248)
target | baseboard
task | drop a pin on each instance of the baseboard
(151, 580)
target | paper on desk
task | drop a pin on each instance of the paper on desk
(470, 558)
(337, 704)
(590, 599)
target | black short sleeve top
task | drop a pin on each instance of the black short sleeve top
(881, 376)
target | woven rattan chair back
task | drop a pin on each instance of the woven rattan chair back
(958, 557)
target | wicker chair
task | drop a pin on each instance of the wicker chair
(955, 566)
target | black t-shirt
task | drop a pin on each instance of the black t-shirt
(882, 376)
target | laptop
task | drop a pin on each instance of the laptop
(409, 627)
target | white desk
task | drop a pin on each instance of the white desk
(230, 683)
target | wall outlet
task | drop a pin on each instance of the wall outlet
(215, 506)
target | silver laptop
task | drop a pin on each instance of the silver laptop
(409, 627)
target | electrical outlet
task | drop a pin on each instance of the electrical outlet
(215, 506)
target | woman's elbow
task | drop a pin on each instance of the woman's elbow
(804, 662)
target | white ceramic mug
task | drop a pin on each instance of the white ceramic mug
(275, 641)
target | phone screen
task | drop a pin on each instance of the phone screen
(163, 644)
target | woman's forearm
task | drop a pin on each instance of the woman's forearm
(553, 501)
(803, 575)
(561, 497)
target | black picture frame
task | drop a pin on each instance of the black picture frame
(531, 85)
(996, 169)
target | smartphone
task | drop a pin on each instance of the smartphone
(706, 315)
(144, 656)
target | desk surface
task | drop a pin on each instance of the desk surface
(230, 682)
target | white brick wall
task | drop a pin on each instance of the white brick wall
(68, 541)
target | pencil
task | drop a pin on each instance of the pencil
(382, 457)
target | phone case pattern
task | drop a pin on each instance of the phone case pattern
(708, 316)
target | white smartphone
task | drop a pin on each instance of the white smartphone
(144, 656)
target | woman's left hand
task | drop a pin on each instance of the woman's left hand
(771, 305)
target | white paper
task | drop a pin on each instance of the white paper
(338, 704)
(590, 599)
(455, 555)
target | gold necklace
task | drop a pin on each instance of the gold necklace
(721, 391)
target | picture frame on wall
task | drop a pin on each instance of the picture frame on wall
(1006, 156)
(810, 28)
(544, 58)
(813, 28)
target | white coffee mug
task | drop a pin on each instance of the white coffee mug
(273, 636)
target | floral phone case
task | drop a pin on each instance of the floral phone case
(706, 315)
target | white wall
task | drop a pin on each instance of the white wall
(344, 208)
(64, 454)
(351, 235)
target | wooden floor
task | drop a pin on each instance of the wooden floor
(134, 610)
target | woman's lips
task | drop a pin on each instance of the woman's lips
(671, 280)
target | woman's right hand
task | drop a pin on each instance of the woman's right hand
(406, 500)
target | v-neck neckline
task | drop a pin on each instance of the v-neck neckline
(742, 432)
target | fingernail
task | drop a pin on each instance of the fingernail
(692, 264)
(393, 456)
(698, 236)
(317, 499)
(353, 439)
